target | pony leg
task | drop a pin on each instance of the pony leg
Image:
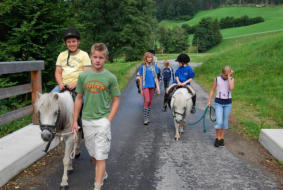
(182, 127)
(177, 135)
(69, 143)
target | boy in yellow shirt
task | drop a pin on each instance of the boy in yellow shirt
(70, 63)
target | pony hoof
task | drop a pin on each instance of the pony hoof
(64, 187)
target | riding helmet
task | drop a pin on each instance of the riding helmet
(72, 33)
(183, 58)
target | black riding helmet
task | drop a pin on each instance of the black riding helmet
(72, 33)
(183, 58)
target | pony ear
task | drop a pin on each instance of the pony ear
(38, 95)
(56, 97)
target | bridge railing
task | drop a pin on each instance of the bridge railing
(34, 67)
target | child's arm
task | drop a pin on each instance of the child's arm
(178, 81)
(231, 80)
(58, 76)
(77, 109)
(187, 81)
(114, 108)
(141, 84)
(211, 92)
(157, 86)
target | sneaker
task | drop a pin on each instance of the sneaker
(216, 143)
(193, 109)
(221, 142)
(97, 186)
(146, 122)
(105, 176)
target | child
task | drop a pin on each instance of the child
(70, 63)
(148, 83)
(167, 72)
(223, 102)
(183, 76)
(98, 85)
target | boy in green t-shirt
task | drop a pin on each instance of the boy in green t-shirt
(98, 86)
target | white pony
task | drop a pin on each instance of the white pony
(56, 117)
(181, 105)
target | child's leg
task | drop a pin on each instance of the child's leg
(146, 96)
(151, 93)
(100, 171)
(219, 122)
(226, 114)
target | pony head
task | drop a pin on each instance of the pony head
(47, 106)
(181, 104)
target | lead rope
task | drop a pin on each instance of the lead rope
(211, 109)
(76, 140)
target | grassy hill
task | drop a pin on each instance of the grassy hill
(273, 19)
(258, 63)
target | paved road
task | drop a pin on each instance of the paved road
(148, 157)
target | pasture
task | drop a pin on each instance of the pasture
(273, 17)
(258, 95)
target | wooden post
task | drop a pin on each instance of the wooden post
(36, 87)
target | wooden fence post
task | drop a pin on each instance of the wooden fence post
(36, 87)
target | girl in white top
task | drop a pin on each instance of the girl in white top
(223, 102)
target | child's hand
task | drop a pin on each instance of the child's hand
(208, 104)
(158, 91)
(142, 92)
(230, 73)
(75, 127)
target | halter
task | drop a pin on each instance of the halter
(50, 128)
(177, 113)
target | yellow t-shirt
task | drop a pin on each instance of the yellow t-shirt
(76, 65)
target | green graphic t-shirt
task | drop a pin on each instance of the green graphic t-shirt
(98, 89)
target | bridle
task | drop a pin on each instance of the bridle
(50, 128)
(177, 113)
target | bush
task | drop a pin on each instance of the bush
(229, 22)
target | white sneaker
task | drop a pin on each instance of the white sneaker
(97, 186)
(105, 176)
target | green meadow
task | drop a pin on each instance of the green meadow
(273, 19)
(258, 95)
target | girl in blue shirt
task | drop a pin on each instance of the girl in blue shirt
(148, 82)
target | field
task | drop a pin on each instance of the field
(273, 17)
(258, 95)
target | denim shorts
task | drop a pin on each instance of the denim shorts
(97, 134)
(222, 112)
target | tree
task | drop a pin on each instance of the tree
(173, 40)
(207, 34)
(124, 26)
(32, 30)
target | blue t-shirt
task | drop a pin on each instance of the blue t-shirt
(166, 73)
(184, 73)
(149, 77)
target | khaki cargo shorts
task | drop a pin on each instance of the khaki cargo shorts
(97, 134)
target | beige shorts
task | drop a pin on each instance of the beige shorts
(97, 134)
